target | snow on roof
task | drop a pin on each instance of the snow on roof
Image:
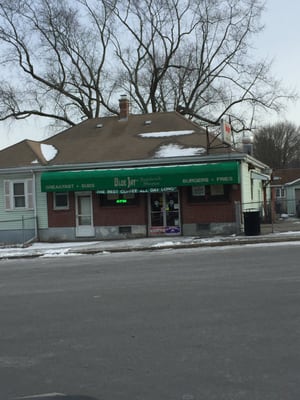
(174, 150)
(165, 134)
(48, 151)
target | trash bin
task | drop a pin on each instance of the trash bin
(298, 209)
(252, 223)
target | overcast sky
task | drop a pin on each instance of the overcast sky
(279, 41)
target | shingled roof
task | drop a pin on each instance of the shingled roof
(284, 176)
(22, 154)
(110, 139)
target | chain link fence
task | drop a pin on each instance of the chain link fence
(18, 231)
(274, 216)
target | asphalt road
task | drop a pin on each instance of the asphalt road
(170, 325)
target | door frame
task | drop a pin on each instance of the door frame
(164, 230)
(84, 230)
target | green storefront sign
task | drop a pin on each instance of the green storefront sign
(145, 179)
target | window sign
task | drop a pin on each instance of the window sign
(217, 190)
(112, 196)
(114, 199)
(121, 201)
(198, 190)
(128, 196)
(209, 193)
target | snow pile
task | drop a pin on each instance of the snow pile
(46, 250)
(60, 249)
(58, 253)
(166, 244)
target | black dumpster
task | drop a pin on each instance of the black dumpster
(252, 223)
(298, 209)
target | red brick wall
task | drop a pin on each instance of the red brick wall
(61, 218)
(103, 216)
(120, 214)
(220, 211)
(210, 211)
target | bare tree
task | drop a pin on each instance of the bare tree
(193, 56)
(68, 60)
(53, 54)
(278, 145)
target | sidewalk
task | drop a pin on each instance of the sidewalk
(282, 231)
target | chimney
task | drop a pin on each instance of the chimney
(124, 107)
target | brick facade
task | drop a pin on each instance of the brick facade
(210, 211)
(118, 215)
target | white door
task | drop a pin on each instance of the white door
(84, 215)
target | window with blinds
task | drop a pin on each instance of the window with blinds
(18, 194)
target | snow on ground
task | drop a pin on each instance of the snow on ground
(105, 247)
(44, 249)
(53, 246)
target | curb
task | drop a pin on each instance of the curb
(241, 241)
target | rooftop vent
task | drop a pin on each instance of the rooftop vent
(247, 146)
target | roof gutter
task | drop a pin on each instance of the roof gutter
(138, 163)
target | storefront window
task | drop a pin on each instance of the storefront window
(122, 199)
(164, 213)
(199, 194)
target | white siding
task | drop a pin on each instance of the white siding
(41, 201)
(252, 189)
(12, 219)
(292, 199)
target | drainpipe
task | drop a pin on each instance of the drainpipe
(241, 220)
(34, 204)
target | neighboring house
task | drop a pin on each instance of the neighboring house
(286, 185)
(127, 176)
(23, 207)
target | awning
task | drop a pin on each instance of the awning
(141, 179)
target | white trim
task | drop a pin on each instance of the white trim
(84, 230)
(10, 196)
(293, 182)
(259, 176)
(57, 208)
